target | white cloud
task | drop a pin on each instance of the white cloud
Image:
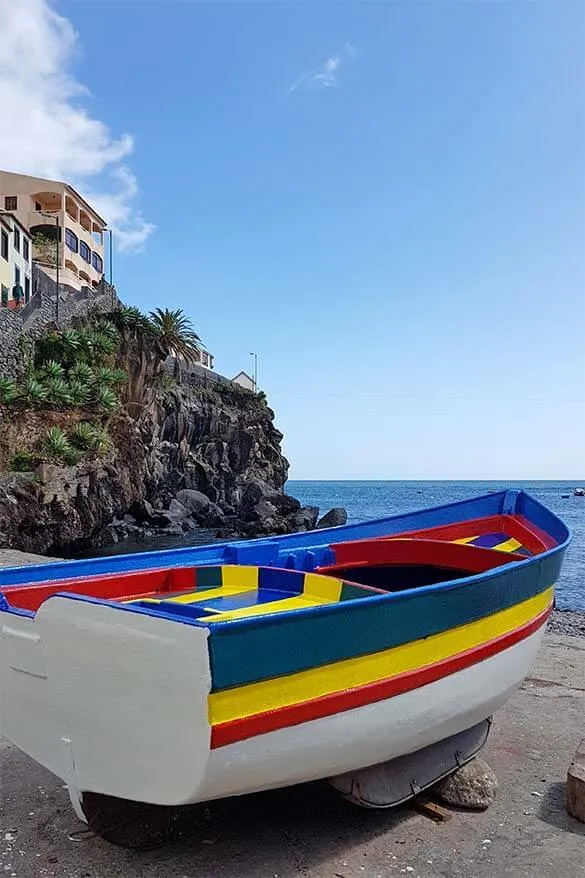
(45, 129)
(326, 75)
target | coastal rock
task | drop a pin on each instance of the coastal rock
(283, 503)
(334, 518)
(216, 453)
(177, 510)
(305, 518)
(474, 785)
(141, 510)
(196, 502)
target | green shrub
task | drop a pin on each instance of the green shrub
(106, 398)
(81, 372)
(33, 390)
(58, 391)
(53, 369)
(79, 393)
(8, 390)
(72, 456)
(102, 441)
(23, 462)
(56, 443)
(84, 436)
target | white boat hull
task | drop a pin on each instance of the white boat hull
(116, 703)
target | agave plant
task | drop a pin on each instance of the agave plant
(71, 339)
(102, 345)
(33, 390)
(83, 435)
(8, 390)
(81, 372)
(105, 375)
(176, 334)
(56, 443)
(72, 456)
(106, 398)
(58, 391)
(107, 328)
(80, 393)
(119, 376)
(53, 369)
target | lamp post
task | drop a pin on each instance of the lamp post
(111, 265)
(255, 361)
(58, 225)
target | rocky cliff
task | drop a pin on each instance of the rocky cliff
(207, 456)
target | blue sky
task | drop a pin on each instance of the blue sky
(385, 200)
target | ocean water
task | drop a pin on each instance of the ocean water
(376, 499)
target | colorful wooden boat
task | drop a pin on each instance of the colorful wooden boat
(181, 677)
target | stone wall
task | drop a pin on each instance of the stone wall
(40, 313)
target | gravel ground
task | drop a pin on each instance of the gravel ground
(567, 622)
(306, 832)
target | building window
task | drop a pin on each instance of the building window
(17, 240)
(10, 202)
(25, 249)
(97, 263)
(16, 276)
(4, 246)
(71, 240)
(26, 289)
(84, 252)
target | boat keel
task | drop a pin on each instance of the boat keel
(392, 783)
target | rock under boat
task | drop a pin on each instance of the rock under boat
(178, 677)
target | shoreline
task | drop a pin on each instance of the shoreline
(569, 622)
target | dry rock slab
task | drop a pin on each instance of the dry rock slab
(474, 785)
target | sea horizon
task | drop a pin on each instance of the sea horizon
(375, 498)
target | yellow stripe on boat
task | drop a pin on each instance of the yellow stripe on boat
(269, 695)
(299, 602)
(511, 545)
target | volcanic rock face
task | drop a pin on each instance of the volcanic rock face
(208, 458)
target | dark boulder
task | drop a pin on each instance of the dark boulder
(305, 518)
(334, 518)
(141, 510)
(254, 492)
(178, 510)
(196, 502)
(283, 504)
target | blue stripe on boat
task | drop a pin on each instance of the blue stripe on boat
(318, 636)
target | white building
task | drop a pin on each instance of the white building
(244, 380)
(15, 262)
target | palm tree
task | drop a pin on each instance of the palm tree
(176, 334)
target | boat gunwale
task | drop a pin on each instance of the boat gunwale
(39, 572)
(221, 627)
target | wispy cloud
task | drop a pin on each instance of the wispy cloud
(46, 130)
(325, 76)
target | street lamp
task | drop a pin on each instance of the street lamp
(56, 216)
(255, 360)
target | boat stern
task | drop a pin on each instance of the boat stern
(110, 700)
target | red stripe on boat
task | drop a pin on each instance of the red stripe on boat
(338, 702)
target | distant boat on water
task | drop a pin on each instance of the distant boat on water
(579, 492)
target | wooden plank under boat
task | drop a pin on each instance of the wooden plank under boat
(186, 676)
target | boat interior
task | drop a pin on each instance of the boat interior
(207, 594)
